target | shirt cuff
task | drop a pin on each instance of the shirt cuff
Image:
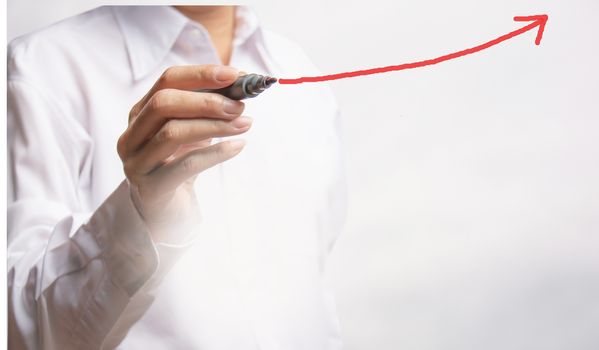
(132, 258)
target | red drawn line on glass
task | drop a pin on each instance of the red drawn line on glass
(537, 21)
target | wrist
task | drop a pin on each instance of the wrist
(171, 219)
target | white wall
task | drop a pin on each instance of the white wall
(474, 184)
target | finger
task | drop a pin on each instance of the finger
(186, 148)
(177, 133)
(169, 177)
(192, 77)
(171, 103)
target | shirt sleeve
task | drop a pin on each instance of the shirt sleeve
(77, 279)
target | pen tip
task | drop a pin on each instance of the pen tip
(269, 81)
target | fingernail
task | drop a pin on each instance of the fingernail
(232, 106)
(237, 145)
(225, 73)
(241, 122)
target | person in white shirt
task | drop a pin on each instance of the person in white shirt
(132, 223)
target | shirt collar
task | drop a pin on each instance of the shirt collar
(151, 31)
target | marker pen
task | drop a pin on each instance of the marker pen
(246, 86)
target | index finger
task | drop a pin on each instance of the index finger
(193, 77)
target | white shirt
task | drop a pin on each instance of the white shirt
(83, 270)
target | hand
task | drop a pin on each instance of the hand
(168, 141)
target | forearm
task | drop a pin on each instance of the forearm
(70, 284)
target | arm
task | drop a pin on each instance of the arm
(70, 272)
(79, 278)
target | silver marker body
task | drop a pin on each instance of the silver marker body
(246, 86)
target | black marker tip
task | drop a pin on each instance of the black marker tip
(269, 81)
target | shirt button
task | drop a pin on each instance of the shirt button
(195, 33)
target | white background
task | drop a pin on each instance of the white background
(474, 185)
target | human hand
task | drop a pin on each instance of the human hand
(168, 141)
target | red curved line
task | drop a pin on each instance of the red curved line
(539, 21)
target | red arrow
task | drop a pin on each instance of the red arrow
(537, 21)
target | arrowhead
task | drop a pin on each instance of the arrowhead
(537, 20)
